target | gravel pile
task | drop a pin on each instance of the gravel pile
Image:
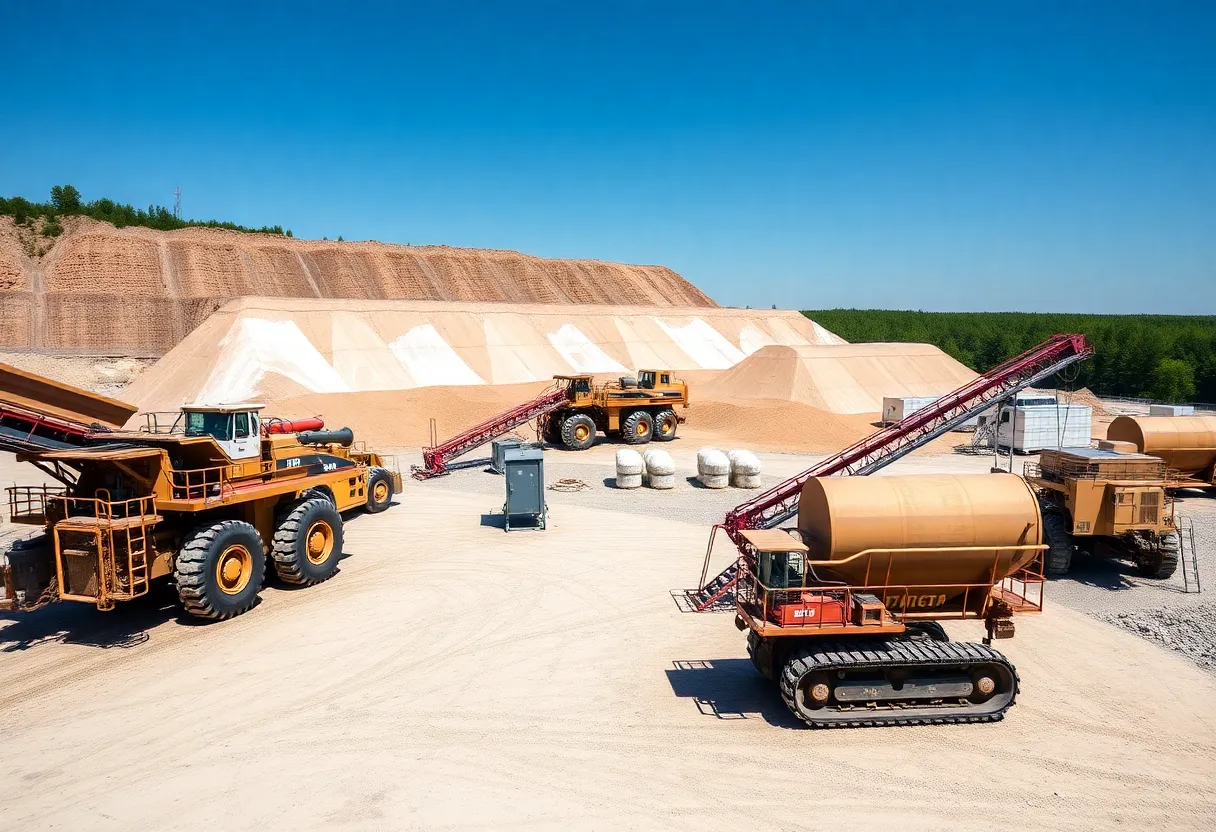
(1188, 631)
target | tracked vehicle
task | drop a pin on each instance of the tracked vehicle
(208, 501)
(1106, 504)
(842, 609)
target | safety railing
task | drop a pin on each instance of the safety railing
(28, 503)
(208, 484)
(163, 422)
(943, 600)
(101, 509)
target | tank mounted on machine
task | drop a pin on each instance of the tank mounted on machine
(1187, 444)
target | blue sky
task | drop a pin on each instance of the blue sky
(1056, 156)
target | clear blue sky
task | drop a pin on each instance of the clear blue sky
(970, 155)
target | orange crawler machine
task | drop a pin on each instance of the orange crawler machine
(842, 610)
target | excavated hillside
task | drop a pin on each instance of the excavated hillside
(137, 291)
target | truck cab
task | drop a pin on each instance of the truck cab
(236, 428)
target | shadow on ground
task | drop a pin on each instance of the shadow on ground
(730, 689)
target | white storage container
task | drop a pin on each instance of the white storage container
(1039, 427)
(744, 469)
(1171, 410)
(629, 468)
(899, 408)
(660, 470)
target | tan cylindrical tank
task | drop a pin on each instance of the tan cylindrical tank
(842, 516)
(1186, 443)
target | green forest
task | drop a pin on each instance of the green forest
(1170, 358)
(66, 201)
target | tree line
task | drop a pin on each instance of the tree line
(1170, 358)
(66, 201)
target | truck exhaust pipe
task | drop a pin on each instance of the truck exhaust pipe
(344, 437)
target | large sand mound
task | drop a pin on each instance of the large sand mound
(139, 292)
(841, 378)
(274, 348)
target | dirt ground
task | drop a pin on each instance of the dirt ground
(455, 676)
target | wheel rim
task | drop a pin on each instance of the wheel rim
(641, 429)
(581, 432)
(667, 426)
(320, 542)
(233, 569)
(380, 491)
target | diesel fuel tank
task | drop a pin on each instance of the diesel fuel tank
(969, 529)
(1186, 443)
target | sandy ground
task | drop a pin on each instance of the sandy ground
(455, 676)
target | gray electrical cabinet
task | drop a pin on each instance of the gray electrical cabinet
(498, 448)
(524, 468)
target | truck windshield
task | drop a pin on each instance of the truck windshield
(646, 380)
(217, 425)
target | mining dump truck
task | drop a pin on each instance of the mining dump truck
(206, 502)
(632, 410)
(1107, 504)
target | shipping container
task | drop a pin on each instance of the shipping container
(1039, 427)
(1171, 410)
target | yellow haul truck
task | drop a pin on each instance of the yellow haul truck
(205, 503)
(1106, 504)
(633, 410)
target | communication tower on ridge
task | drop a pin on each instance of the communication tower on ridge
(177, 203)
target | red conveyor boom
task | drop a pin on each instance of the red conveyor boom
(436, 459)
(888, 444)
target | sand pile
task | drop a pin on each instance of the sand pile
(273, 349)
(840, 378)
(137, 291)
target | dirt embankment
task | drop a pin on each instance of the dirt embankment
(137, 291)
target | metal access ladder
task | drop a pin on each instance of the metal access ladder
(885, 446)
(435, 459)
(1188, 556)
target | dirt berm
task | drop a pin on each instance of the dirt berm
(135, 291)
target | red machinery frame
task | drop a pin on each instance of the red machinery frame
(885, 446)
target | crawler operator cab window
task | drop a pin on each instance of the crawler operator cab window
(216, 425)
(242, 425)
(582, 385)
(781, 570)
(646, 380)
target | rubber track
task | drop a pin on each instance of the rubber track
(189, 572)
(282, 550)
(878, 652)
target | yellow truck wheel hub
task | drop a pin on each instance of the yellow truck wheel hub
(380, 492)
(233, 569)
(320, 541)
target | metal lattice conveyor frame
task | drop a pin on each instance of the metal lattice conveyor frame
(885, 446)
(436, 459)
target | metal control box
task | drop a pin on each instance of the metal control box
(524, 469)
(498, 448)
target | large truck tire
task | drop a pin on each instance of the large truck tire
(665, 424)
(1161, 560)
(1057, 560)
(379, 490)
(638, 428)
(220, 568)
(307, 543)
(578, 432)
